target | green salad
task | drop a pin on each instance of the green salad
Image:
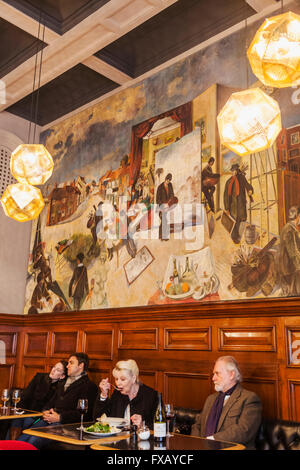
(99, 427)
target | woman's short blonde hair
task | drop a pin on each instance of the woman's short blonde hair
(130, 366)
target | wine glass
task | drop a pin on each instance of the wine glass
(16, 397)
(5, 397)
(169, 410)
(82, 406)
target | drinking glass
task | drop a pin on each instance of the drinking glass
(5, 397)
(16, 397)
(169, 410)
(82, 406)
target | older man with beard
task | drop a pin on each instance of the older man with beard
(232, 413)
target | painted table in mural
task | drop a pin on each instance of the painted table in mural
(160, 299)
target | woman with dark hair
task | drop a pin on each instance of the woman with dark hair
(38, 392)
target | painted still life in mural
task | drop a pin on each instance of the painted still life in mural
(146, 207)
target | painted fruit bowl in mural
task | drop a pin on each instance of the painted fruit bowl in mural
(183, 289)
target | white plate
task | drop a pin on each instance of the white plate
(104, 434)
(113, 421)
(180, 296)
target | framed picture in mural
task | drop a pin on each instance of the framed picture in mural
(136, 266)
(229, 158)
(295, 138)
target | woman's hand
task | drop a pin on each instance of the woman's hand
(137, 420)
(104, 386)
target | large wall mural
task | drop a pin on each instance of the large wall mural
(145, 207)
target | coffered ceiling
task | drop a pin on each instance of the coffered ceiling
(91, 48)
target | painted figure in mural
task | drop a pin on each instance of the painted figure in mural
(79, 286)
(40, 296)
(209, 181)
(235, 201)
(289, 258)
(165, 199)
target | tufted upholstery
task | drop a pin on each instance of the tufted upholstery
(272, 434)
(278, 435)
(184, 419)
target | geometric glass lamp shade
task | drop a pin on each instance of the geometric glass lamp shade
(31, 164)
(274, 53)
(249, 122)
(22, 202)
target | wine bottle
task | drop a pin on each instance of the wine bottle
(175, 273)
(160, 422)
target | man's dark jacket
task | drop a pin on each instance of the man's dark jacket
(64, 402)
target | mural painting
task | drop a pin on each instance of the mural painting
(146, 207)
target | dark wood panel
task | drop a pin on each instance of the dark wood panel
(141, 338)
(36, 344)
(186, 390)
(294, 399)
(64, 343)
(149, 378)
(98, 344)
(197, 339)
(10, 341)
(247, 339)
(6, 375)
(267, 390)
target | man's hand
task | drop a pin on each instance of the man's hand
(51, 416)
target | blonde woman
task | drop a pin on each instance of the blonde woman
(130, 398)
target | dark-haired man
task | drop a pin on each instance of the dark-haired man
(165, 199)
(62, 408)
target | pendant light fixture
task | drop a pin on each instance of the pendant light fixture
(274, 53)
(250, 121)
(22, 202)
(31, 164)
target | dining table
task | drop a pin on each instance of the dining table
(71, 434)
(10, 413)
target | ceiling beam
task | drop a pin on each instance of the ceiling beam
(260, 5)
(77, 45)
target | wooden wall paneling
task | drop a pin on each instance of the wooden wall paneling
(294, 399)
(64, 343)
(7, 375)
(97, 373)
(98, 343)
(268, 391)
(9, 338)
(186, 390)
(138, 338)
(293, 346)
(251, 338)
(187, 338)
(150, 378)
(36, 343)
